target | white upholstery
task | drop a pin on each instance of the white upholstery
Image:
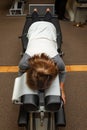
(54, 89)
(21, 88)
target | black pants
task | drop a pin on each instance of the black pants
(47, 17)
(60, 7)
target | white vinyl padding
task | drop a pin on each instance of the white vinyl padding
(21, 88)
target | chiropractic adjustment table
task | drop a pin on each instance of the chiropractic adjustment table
(42, 110)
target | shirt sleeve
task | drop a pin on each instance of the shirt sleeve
(23, 64)
(62, 72)
(58, 31)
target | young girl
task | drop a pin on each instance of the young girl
(41, 60)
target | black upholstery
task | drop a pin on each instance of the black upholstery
(23, 117)
(52, 103)
(60, 119)
(30, 102)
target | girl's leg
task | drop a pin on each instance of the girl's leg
(48, 15)
(35, 16)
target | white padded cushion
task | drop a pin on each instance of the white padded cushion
(54, 89)
(21, 88)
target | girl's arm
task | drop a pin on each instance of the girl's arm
(23, 64)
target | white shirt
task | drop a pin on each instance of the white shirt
(42, 39)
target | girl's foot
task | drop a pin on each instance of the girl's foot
(35, 10)
(47, 10)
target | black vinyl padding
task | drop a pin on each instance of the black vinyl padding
(60, 118)
(23, 117)
(30, 102)
(52, 103)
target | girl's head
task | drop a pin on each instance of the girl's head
(42, 70)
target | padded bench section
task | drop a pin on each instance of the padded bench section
(30, 102)
(60, 118)
(22, 94)
(21, 89)
(23, 117)
(41, 8)
(53, 96)
(52, 103)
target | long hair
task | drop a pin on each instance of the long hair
(42, 70)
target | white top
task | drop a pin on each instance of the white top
(42, 39)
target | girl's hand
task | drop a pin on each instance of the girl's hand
(63, 96)
(62, 92)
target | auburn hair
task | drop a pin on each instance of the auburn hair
(42, 70)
